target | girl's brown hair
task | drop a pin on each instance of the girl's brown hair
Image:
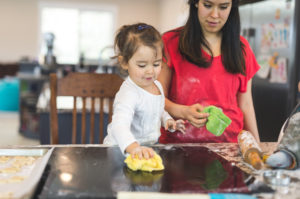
(130, 37)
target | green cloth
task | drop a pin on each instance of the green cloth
(217, 120)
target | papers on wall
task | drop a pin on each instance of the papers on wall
(264, 70)
(274, 36)
(279, 74)
(272, 67)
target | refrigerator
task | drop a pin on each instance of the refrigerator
(272, 28)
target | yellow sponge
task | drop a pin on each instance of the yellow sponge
(152, 164)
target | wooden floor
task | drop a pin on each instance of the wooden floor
(9, 125)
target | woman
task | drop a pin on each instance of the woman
(209, 63)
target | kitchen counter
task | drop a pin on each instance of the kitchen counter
(97, 171)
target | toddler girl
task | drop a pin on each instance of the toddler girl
(139, 104)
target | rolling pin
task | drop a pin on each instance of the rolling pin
(250, 149)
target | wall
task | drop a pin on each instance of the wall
(173, 13)
(18, 29)
(19, 21)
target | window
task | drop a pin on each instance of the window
(78, 30)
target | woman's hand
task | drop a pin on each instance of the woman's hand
(135, 149)
(194, 115)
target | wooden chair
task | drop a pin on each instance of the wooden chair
(84, 85)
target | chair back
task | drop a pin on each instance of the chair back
(84, 86)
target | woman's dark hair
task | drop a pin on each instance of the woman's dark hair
(130, 37)
(232, 49)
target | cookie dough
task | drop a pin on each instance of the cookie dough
(13, 179)
(152, 164)
(10, 170)
(4, 159)
(20, 161)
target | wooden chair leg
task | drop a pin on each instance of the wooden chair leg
(83, 120)
(74, 121)
(92, 118)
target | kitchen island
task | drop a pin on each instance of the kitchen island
(98, 171)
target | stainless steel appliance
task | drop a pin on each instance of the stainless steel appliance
(272, 28)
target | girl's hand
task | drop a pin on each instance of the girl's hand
(141, 151)
(180, 126)
(172, 126)
(194, 115)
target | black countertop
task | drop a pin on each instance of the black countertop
(100, 172)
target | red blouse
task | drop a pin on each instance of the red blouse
(191, 84)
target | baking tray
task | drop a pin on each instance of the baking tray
(32, 173)
(23, 152)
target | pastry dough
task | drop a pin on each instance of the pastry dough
(13, 165)
(151, 164)
(17, 164)
(4, 159)
(20, 161)
(10, 170)
(14, 179)
(13, 171)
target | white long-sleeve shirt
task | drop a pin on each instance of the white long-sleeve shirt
(137, 116)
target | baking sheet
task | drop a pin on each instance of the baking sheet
(23, 152)
(32, 173)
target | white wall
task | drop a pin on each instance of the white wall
(173, 13)
(18, 29)
(19, 21)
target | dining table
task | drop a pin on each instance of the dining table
(99, 171)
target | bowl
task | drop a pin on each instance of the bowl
(276, 177)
